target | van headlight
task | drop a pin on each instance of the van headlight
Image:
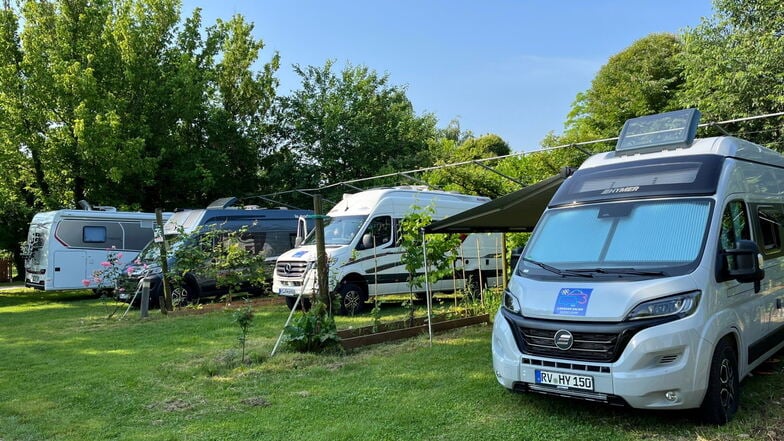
(682, 305)
(510, 302)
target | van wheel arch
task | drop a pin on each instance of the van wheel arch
(353, 291)
(722, 395)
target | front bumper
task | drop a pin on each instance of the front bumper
(657, 363)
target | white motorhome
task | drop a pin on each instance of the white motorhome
(363, 248)
(64, 248)
(655, 278)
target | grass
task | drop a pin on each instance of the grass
(68, 373)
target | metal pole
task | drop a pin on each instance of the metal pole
(288, 320)
(321, 254)
(143, 308)
(427, 289)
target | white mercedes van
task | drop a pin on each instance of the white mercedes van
(362, 235)
(655, 278)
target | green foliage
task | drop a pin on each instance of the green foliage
(469, 179)
(347, 125)
(438, 249)
(642, 79)
(222, 255)
(313, 331)
(734, 67)
(101, 99)
(243, 317)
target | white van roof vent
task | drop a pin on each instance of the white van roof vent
(654, 133)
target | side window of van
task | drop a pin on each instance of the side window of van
(377, 233)
(734, 225)
(770, 219)
(398, 232)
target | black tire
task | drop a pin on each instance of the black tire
(352, 298)
(723, 394)
(304, 303)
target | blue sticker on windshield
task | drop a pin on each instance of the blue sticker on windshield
(572, 301)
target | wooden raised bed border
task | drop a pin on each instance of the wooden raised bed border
(355, 338)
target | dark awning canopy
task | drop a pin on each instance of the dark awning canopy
(515, 212)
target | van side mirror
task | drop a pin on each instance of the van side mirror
(367, 241)
(744, 264)
(298, 241)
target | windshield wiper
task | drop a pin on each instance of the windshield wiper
(552, 269)
(620, 271)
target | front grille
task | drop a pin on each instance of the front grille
(590, 346)
(291, 269)
(600, 342)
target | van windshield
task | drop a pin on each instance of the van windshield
(339, 230)
(666, 236)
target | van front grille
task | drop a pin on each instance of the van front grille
(291, 269)
(590, 346)
(601, 342)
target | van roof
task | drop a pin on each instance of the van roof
(364, 201)
(189, 219)
(727, 146)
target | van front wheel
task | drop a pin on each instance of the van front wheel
(723, 394)
(352, 299)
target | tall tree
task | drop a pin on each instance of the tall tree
(642, 79)
(351, 125)
(112, 102)
(470, 178)
(734, 65)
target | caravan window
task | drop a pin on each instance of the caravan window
(94, 234)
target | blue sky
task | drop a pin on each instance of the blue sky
(512, 68)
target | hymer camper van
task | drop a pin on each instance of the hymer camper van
(65, 247)
(654, 278)
(363, 246)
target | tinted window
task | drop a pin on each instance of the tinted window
(94, 234)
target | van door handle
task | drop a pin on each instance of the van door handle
(57, 268)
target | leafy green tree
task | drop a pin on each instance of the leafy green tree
(642, 79)
(470, 178)
(439, 251)
(111, 102)
(734, 66)
(351, 125)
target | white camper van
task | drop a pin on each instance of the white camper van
(65, 247)
(363, 247)
(655, 278)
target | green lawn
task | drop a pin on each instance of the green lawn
(68, 373)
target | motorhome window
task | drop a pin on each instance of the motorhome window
(770, 229)
(93, 234)
(646, 178)
(338, 230)
(664, 235)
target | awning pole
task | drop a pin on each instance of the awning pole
(427, 289)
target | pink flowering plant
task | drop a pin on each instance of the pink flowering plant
(108, 278)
